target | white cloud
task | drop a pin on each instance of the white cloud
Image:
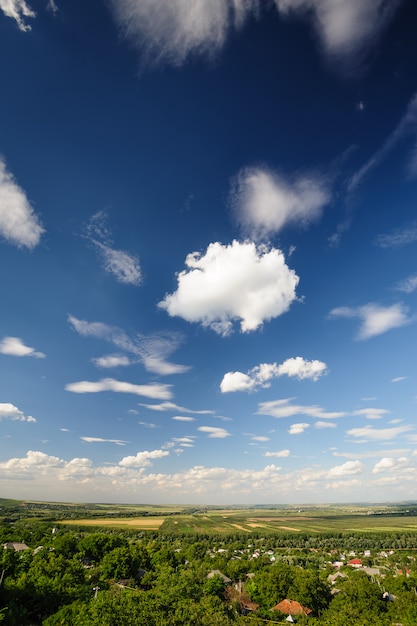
(405, 126)
(390, 463)
(118, 442)
(234, 282)
(124, 266)
(261, 375)
(409, 284)
(346, 29)
(375, 319)
(111, 360)
(170, 406)
(372, 454)
(347, 469)
(149, 425)
(213, 432)
(284, 408)
(371, 414)
(143, 459)
(279, 454)
(152, 350)
(398, 238)
(320, 425)
(19, 224)
(264, 203)
(18, 10)
(297, 429)
(15, 347)
(172, 32)
(368, 433)
(153, 390)
(182, 418)
(10, 411)
(260, 438)
(399, 379)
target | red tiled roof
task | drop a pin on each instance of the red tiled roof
(291, 607)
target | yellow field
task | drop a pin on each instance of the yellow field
(133, 523)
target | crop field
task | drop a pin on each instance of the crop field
(248, 520)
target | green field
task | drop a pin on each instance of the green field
(310, 519)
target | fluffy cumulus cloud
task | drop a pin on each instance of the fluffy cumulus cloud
(390, 464)
(286, 408)
(18, 10)
(264, 203)
(15, 347)
(298, 429)
(173, 31)
(153, 390)
(143, 459)
(132, 478)
(239, 281)
(261, 375)
(124, 266)
(11, 412)
(19, 224)
(151, 350)
(375, 319)
(347, 469)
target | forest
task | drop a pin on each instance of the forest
(69, 574)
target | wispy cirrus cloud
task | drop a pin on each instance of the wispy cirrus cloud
(18, 10)
(153, 390)
(375, 319)
(124, 266)
(409, 284)
(19, 224)
(214, 432)
(285, 408)
(118, 442)
(369, 433)
(279, 454)
(11, 412)
(398, 237)
(152, 350)
(265, 202)
(260, 376)
(170, 406)
(14, 346)
(234, 282)
(173, 32)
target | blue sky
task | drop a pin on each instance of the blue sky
(208, 241)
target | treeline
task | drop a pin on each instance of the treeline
(115, 578)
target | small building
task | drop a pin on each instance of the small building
(16, 546)
(355, 563)
(291, 607)
(217, 572)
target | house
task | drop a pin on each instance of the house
(291, 607)
(217, 572)
(333, 577)
(16, 546)
(355, 563)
